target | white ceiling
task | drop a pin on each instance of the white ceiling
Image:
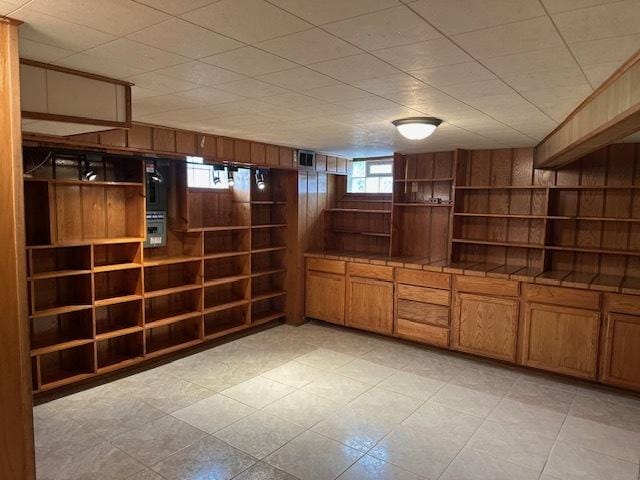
(331, 74)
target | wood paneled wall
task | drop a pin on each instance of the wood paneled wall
(315, 192)
(17, 459)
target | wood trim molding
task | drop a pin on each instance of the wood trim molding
(610, 113)
(71, 71)
(17, 459)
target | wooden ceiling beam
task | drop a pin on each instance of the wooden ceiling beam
(609, 114)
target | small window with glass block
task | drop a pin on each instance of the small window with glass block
(371, 176)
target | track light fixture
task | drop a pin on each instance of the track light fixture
(230, 178)
(154, 173)
(260, 183)
(216, 178)
(88, 172)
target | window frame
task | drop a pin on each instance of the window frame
(369, 162)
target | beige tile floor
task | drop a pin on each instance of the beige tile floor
(318, 402)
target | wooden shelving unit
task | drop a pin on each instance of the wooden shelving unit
(100, 301)
(422, 201)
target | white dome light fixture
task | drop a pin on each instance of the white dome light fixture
(417, 128)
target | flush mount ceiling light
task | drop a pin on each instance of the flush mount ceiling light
(417, 128)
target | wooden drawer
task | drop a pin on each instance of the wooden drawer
(422, 294)
(565, 297)
(623, 303)
(422, 333)
(377, 272)
(423, 312)
(422, 278)
(324, 265)
(487, 286)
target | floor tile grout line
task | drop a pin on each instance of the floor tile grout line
(557, 439)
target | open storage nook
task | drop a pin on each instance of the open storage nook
(62, 367)
(173, 336)
(116, 352)
(218, 323)
(119, 318)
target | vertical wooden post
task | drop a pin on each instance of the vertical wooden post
(16, 409)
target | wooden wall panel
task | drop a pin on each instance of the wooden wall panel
(164, 140)
(17, 459)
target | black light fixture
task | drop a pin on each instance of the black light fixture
(260, 183)
(417, 128)
(154, 173)
(88, 173)
(230, 179)
(216, 174)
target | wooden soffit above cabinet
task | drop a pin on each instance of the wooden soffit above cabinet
(57, 94)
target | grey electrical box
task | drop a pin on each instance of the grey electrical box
(156, 229)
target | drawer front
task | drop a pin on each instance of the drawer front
(623, 303)
(423, 333)
(565, 297)
(423, 312)
(487, 286)
(426, 295)
(422, 278)
(377, 272)
(324, 265)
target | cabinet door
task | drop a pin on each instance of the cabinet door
(486, 326)
(325, 296)
(621, 356)
(370, 304)
(561, 339)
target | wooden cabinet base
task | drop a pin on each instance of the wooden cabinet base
(561, 339)
(422, 333)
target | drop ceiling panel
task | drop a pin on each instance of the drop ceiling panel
(332, 74)
(184, 38)
(249, 21)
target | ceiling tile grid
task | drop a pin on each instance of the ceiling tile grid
(331, 75)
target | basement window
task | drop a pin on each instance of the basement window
(202, 175)
(371, 176)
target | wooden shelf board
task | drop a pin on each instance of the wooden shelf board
(173, 347)
(118, 333)
(267, 317)
(267, 271)
(61, 346)
(500, 215)
(594, 187)
(498, 244)
(172, 290)
(115, 267)
(213, 256)
(95, 183)
(268, 202)
(267, 249)
(426, 205)
(593, 250)
(222, 228)
(502, 187)
(88, 242)
(60, 310)
(113, 300)
(157, 262)
(172, 319)
(366, 234)
(594, 219)
(270, 225)
(58, 274)
(125, 362)
(422, 180)
(68, 380)
(226, 331)
(222, 280)
(259, 296)
(226, 306)
(357, 210)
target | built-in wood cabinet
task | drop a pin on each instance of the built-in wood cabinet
(620, 359)
(325, 296)
(370, 304)
(561, 339)
(486, 326)
(571, 331)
